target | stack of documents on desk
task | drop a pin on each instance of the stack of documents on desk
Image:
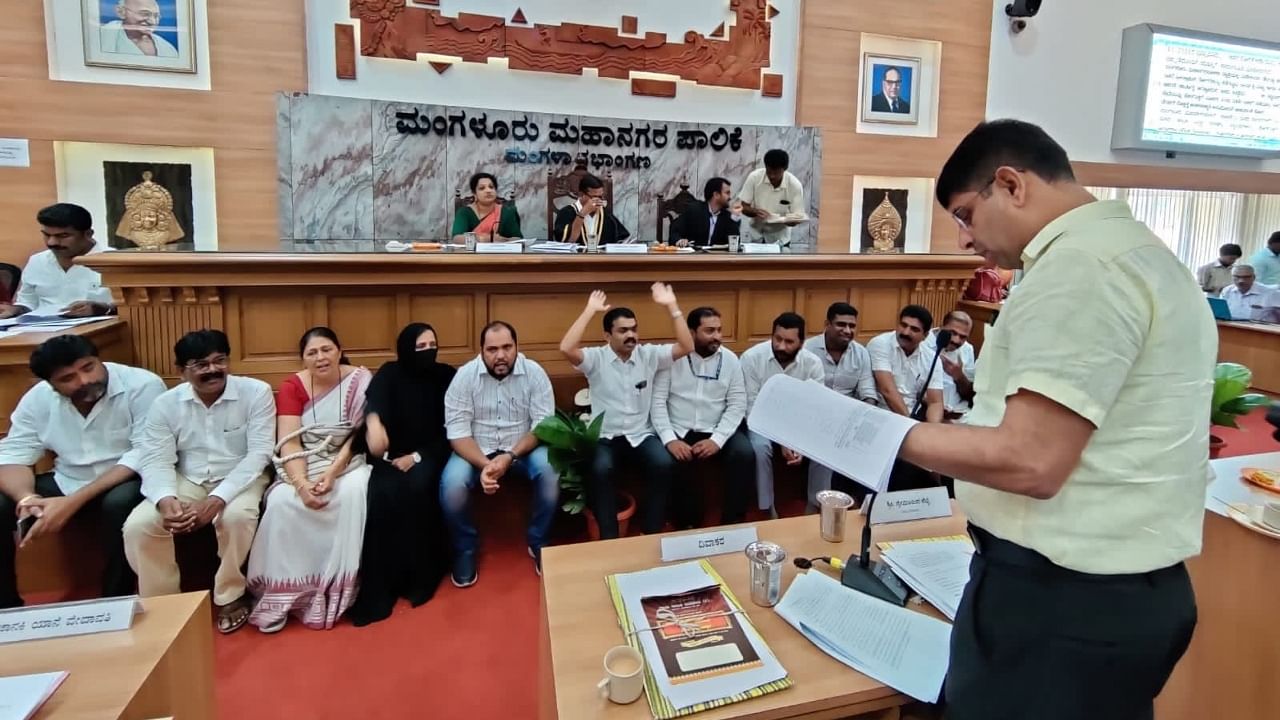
(31, 322)
(704, 669)
(937, 568)
(904, 649)
(22, 695)
(555, 247)
(854, 438)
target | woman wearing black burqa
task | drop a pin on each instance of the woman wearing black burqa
(406, 545)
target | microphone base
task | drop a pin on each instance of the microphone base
(876, 580)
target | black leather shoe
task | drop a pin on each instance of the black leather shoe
(464, 570)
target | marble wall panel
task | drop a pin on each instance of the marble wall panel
(525, 181)
(284, 165)
(332, 148)
(411, 199)
(815, 186)
(346, 172)
(670, 168)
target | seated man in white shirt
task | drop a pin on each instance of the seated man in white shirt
(90, 415)
(698, 408)
(784, 354)
(846, 368)
(957, 363)
(1247, 298)
(52, 284)
(205, 449)
(490, 410)
(621, 376)
(901, 363)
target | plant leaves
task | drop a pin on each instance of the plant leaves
(1223, 419)
(554, 432)
(593, 430)
(573, 507)
(1244, 404)
(1230, 380)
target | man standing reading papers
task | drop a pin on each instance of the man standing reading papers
(1083, 465)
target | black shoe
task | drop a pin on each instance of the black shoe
(537, 560)
(464, 570)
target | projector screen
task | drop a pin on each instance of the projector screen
(1197, 93)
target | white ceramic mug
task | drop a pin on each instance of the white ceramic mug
(1271, 514)
(624, 675)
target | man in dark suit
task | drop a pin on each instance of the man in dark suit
(889, 100)
(587, 218)
(710, 222)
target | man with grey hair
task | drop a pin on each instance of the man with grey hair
(1247, 298)
(134, 32)
(958, 362)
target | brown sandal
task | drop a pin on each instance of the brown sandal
(233, 615)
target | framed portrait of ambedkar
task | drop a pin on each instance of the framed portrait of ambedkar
(139, 34)
(890, 92)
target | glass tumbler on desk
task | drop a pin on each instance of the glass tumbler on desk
(469, 241)
(735, 243)
(834, 506)
(765, 560)
(592, 242)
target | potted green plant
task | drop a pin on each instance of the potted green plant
(571, 443)
(1230, 400)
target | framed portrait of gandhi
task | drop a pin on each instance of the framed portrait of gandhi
(139, 34)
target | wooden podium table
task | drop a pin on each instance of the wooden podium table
(579, 624)
(161, 667)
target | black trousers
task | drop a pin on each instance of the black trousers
(113, 507)
(1035, 640)
(602, 494)
(737, 461)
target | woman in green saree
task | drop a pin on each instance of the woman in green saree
(490, 220)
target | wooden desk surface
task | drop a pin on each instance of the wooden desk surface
(161, 666)
(581, 623)
(1257, 347)
(16, 349)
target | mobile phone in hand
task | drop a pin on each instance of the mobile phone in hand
(24, 527)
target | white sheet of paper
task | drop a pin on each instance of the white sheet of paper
(22, 695)
(15, 152)
(854, 438)
(672, 579)
(904, 649)
(938, 570)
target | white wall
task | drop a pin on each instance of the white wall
(81, 181)
(494, 86)
(1061, 72)
(65, 32)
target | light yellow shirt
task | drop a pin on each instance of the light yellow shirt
(1108, 323)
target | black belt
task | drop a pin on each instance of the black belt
(1003, 552)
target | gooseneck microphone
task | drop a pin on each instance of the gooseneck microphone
(944, 339)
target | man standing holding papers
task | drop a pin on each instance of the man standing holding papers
(1083, 465)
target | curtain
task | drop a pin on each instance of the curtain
(1194, 224)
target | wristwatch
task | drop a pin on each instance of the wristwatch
(417, 458)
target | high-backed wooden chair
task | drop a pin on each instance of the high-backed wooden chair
(670, 209)
(564, 186)
(10, 279)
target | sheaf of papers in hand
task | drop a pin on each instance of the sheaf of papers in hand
(937, 569)
(22, 695)
(854, 438)
(904, 649)
(675, 580)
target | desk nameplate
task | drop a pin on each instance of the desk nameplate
(43, 622)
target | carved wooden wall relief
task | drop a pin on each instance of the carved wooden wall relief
(730, 56)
